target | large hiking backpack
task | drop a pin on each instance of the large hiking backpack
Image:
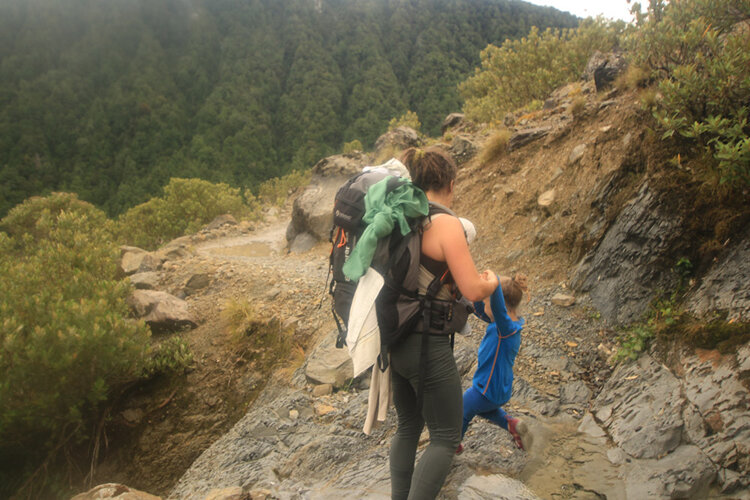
(400, 308)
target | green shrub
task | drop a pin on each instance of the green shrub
(521, 71)
(408, 119)
(186, 206)
(699, 52)
(275, 191)
(66, 340)
(351, 147)
(168, 357)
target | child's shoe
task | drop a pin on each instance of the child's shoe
(519, 431)
(460, 449)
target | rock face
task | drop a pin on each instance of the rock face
(604, 68)
(725, 286)
(629, 263)
(398, 139)
(329, 365)
(311, 213)
(525, 136)
(675, 436)
(162, 311)
(495, 487)
(451, 121)
(463, 149)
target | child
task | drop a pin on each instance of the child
(493, 381)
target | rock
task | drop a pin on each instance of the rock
(150, 263)
(451, 121)
(133, 416)
(604, 68)
(684, 473)
(221, 220)
(529, 397)
(494, 487)
(302, 243)
(322, 390)
(162, 311)
(463, 149)
(114, 491)
(131, 259)
(714, 385)
(196, 282)
(574, 393)
(724, 286)
(293, 414)
(312, 210)
(145, 281)
(623, 271)
(576, 155)
(525, 136)
(630, 402)
(329, 365)
(231, 493)
(563, 300)
(546, 199)
(589, 426)
(398, 139)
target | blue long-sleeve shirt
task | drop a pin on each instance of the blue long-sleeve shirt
(497, 352)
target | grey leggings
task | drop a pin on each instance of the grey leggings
(442, 411)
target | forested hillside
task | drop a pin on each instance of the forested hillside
(111, 99)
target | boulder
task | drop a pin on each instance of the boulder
(145, 281)
(641, 407)
(130, 259)
(114, 491)
(525, 136)
(604, 68)
(463, 149)
(546, 199)
(632, 260)
(197, 281)
(221, 220)
(563, 300)
(398, 139)
(162, 311)
(312, 210)
(451, 121)
(302, 243)
(329, 365)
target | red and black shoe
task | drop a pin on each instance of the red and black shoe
(517, 429)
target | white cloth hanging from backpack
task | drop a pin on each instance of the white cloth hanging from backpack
(379, 398)
(362, 332)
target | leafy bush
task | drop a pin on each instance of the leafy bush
(699, 52)
(264, 342)
(170, 356)
(66, 340)
(408, 119)
(275, 191)
(523, 70)
(187, 205)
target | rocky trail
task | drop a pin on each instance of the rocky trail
(570, 205)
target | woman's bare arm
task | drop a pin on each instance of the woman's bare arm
(444, 240)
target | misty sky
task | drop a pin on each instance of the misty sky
(614, 9)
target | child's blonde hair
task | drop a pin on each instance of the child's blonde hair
(514, 289)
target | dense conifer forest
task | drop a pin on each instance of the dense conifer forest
(110, 99)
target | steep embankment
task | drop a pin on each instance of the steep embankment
(575, 197)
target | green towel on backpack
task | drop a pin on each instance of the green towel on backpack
(382, 212)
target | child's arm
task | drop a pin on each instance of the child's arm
(499, 311)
